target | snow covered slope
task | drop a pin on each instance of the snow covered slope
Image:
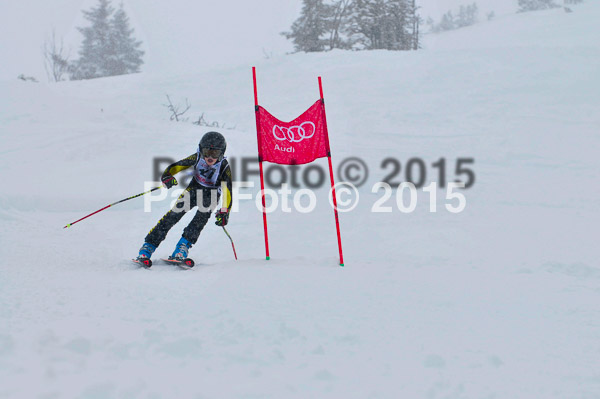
(501, 300)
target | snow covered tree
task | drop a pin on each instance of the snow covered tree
(356, 24)
(96, 46)
(532, 5)
(383, 24)
(416, 23)
(400, 19)
(126, 56)
(446, 23)
(108, 46)
(368, 21)
(467, 15)
(309, 31)
(337, 18)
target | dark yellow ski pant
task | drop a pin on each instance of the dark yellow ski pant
(189, 199)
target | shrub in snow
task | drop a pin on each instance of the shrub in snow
(532, 5)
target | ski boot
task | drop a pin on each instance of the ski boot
(180, 254)
(144, 256)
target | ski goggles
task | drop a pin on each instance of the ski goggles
(214, 153)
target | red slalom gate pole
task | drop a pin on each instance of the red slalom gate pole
(335, 211)
(260, 164)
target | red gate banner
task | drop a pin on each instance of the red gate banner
(293, 143)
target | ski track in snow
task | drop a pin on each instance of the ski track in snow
(500, 301)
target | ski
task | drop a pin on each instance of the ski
(186, 263)
(146, 263)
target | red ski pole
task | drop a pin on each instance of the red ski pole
(230, 239)
(108, 206)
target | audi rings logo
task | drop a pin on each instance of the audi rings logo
(294, 134)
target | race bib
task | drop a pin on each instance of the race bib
(207, 175)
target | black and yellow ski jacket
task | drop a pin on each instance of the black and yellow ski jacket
(205, 175)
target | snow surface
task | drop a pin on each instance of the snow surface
(499, 301)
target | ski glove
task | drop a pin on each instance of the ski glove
(169, 181)
(222, 218)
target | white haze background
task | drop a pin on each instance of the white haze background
(178, 35)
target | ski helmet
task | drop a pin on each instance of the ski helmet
(213, 140)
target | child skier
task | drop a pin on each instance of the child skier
(210, 170)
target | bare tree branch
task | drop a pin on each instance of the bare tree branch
(203, 122)
(175, 113)
(56, 59)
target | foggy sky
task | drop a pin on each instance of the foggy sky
(178, 35)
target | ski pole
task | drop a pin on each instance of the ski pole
(230, 239)
(115, 203)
